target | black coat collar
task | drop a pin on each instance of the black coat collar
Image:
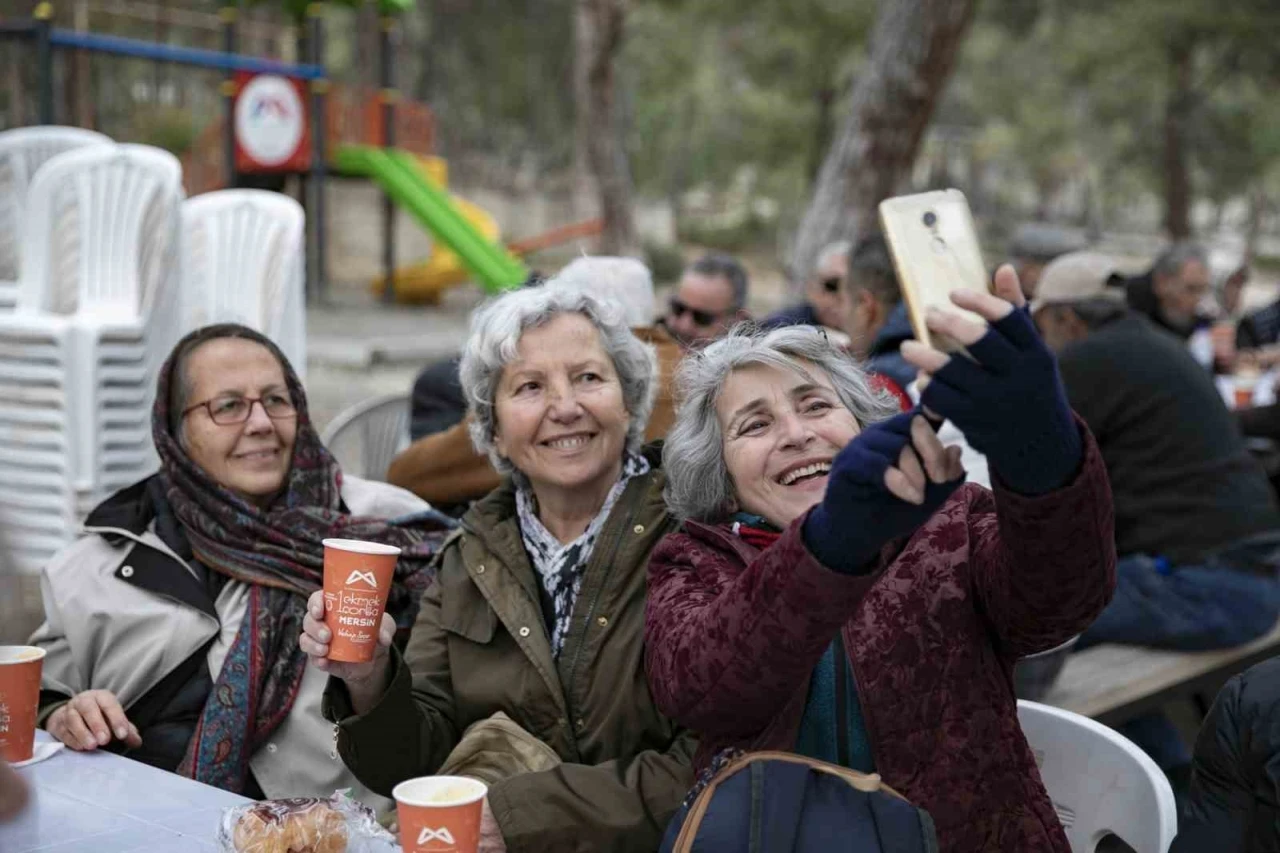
(134, 509)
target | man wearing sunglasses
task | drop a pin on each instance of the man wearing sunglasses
(825, 301)
(710, 298)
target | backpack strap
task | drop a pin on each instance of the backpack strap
(865, 782)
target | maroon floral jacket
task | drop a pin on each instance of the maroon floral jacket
(733, 633)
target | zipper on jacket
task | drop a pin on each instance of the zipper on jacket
(842, 702)
(595, 600)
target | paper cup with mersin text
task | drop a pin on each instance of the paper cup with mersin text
(20, 671)
(440, 814)
(357, 579)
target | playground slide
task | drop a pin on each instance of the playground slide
(426, 281)
(401, 177)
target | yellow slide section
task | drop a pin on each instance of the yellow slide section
(424, 283)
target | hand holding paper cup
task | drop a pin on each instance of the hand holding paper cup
(357, 580)
(440, 814)
(20, 671)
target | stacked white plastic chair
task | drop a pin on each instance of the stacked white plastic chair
(97, 313)
(22, 152)
(243, 262)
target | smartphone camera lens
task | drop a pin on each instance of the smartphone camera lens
(930, 219)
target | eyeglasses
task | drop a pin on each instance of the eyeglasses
(228, 410)
(831, 285)
(701, 318)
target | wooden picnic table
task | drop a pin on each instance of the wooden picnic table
(1114, 683)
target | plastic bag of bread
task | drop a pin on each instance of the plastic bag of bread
(338, 824)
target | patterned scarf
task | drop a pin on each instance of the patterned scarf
(561, 567)
(277, 551)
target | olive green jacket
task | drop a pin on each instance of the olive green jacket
(480, 646)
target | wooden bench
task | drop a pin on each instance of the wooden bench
(1113, 683)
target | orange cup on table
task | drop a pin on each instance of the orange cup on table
(1245, 383)
(20, 671)
(440, 814)
(357, 579)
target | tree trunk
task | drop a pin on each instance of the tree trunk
(584, 184)
(598, 28)
(824, 128)
(913, 49)
(1177, 122)
(1253, 231)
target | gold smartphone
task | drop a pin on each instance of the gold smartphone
(935, 251)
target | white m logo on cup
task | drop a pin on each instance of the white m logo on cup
(367, 577)
(442, 835)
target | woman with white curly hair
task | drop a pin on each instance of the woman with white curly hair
(538, 607)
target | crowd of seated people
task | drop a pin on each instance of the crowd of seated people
(810, 561)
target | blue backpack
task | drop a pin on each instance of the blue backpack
(778, 802)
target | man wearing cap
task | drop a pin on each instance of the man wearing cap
(1197, 527)
(1036, 244)
(1195, 515)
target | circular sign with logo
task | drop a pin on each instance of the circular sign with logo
(270, 120)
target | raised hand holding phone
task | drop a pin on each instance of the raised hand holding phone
(1007, 398)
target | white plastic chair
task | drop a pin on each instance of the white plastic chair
(367, 436)
(243, 262)
(96, 315)
(22, 152)
(1101, 784)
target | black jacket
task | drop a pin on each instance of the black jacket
(1184, 483)
(1235, 783)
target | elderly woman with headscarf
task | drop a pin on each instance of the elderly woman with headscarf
(838, 592)
(171, 626)
(537, 611)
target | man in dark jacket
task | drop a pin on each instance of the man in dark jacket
(877, 321)
(1197, 527)
(1235, 782)
(1170, 293)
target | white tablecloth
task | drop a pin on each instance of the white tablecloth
(104, 803)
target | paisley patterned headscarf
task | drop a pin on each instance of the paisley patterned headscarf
(277, 552)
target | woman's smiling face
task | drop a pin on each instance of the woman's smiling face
(781, 430)
(559, 411)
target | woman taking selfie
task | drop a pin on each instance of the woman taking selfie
(837, 591)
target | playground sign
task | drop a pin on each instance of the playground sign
(271, 123)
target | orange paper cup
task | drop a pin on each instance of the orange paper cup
(20, 669)
(440, 814)
(357, 578)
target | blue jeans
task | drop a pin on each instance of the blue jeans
(1188, 608)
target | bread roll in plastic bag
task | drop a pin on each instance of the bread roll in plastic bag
(337, 824)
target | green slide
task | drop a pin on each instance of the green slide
(398, 174)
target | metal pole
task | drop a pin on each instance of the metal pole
(44, 60)
(389, 97)
(228, 15)
(319, 91)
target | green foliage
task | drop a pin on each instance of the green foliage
(665, 262)
(170, 128)
(1068, 89)
(296, 10)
